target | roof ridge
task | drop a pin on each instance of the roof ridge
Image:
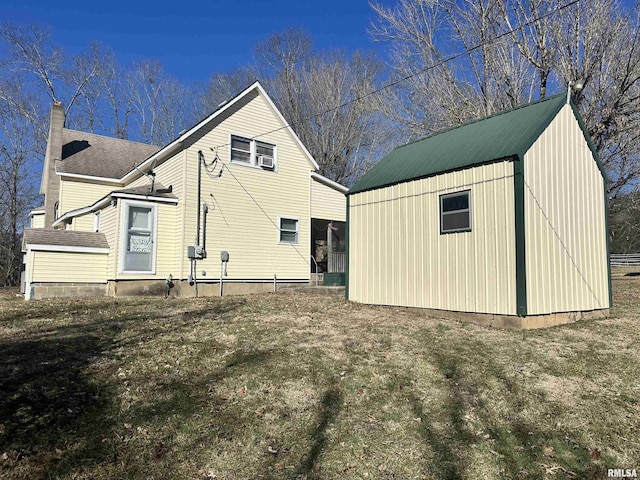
(482, 119)
(112, 138)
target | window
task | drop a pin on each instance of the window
(455, 212)
(253, 152)
(96, 221)
(139, 237)
(289, 230)
(240, 150)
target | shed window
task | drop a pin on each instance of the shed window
(289, 230)
(455, 212)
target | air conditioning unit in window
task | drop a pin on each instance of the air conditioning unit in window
(265, 161)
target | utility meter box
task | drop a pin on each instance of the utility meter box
(196, 252)
(224, 256)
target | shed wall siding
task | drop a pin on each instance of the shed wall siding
(327, 203)
(247, 224)
(397, 255)
(68, 267)
(566, 252)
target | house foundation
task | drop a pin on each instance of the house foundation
(40, 290)
(182, 288)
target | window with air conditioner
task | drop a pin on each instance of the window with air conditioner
(254, 153)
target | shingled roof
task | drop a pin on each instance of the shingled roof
(503, 135)
(100, 156)
(64, 238)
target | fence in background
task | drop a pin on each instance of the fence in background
(625, 259)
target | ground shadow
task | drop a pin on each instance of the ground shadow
(329, 408)
(516, 439)
(49, 398)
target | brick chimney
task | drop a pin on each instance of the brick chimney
(50, 185)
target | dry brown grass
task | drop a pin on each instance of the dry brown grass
(300, 386)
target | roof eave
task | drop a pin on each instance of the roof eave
(508, 158)
(170, 148)
(329, 183)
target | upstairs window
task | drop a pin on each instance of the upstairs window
(254, 153)
(455, 212)
(240, 150)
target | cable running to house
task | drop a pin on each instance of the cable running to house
(262, 209)
(420, 72)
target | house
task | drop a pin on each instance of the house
(502, 220)
(120, 217)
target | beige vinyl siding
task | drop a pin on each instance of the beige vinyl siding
(165, 241)
(68, 267)
(327, 203)
(37, 221)
(83, 223)
(171, 173)
(397, 255)
(566, 254)
(78, 194)
(109, 225)
(246, 224)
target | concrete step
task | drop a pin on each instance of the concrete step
(319, 290)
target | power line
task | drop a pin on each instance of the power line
(420, 72)
(262, 210)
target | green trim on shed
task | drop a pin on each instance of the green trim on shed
(606, 222)
(520, 236)
(499, 136)
(346, 267)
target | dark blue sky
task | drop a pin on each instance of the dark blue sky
(193, 39)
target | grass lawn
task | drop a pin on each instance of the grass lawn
(295, 386)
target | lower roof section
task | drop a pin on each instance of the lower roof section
(50, 239)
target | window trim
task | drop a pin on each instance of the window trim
(124, 216)
(469, 210)
(285, 242)
(253, 153)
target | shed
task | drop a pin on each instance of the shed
(503, 219)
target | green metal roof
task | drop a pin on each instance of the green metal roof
(503, 135)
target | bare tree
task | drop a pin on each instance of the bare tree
(451, 62)
(224, 85)
(18, 145)
(464, 59)
(46, 68)
(327, 98)
(159, 103)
